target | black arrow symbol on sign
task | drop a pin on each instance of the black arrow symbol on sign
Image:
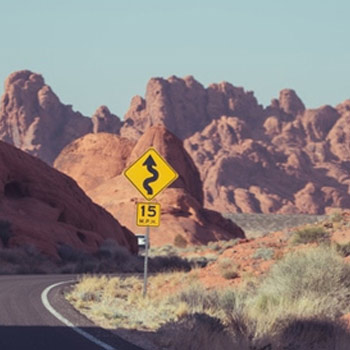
(150, 164)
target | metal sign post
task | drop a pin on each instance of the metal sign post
(145, 274)
(150, 174)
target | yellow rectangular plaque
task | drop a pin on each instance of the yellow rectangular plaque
(148, 214)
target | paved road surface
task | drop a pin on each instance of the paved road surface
(25, 324)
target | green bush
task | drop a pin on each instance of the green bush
(310, 234)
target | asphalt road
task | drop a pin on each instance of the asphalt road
(26, 324)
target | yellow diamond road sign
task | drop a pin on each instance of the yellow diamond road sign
(150, 174)
(148, 214)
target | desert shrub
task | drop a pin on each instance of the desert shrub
(109, 258)
(201, 260)
(5, 232)
(12, 256)
(164, 250)
(70, 254)
(180, 241)
(169, 263)
(24, 260)
(197, 298)
(257, 225)
(90, 288)
(310, 333)
(228, 269)
(76, 261)
(264, 253)
(229, 244)
(110, 249)
(198, 331)
(215, 245)
(306, 284)
(310, 234)
(336, 216)
(343, 249)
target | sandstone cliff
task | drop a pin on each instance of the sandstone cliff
(284, 158)
(182, 203)
(184, 106)
(47, 209)
(33, 119)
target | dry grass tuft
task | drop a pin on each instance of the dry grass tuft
(228, 269)
(310, 234)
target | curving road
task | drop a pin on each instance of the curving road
(26, 324)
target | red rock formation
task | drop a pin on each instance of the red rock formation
(46, 208)
(252, 160)
(104, 121)
(94, 158)
(184, 106)
(339, 138)
(283, 158)
(171, 148)
(289, 168)
(181, 203)
(290, 103)
(33, 119)
(318, 122)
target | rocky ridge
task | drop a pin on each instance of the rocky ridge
(33, 118)
(46, 209)
(284, 158)
(181, 204)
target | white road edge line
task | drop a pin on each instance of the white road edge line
(45, 301)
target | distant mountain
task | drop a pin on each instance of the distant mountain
(282, 159)
(33, 119)
(184, 106)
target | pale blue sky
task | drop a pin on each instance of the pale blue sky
(104, 52)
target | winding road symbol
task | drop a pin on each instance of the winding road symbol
(150, 174)
(150, 164)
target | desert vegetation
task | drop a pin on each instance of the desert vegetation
(301, 301)
(310, 234)
(304, 293)
(112, 258)
(109, 258)
(255, 225)
(5, 232)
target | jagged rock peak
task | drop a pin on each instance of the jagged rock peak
(33, 119)
(290, 103)
(184, 106)
(104, 121)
